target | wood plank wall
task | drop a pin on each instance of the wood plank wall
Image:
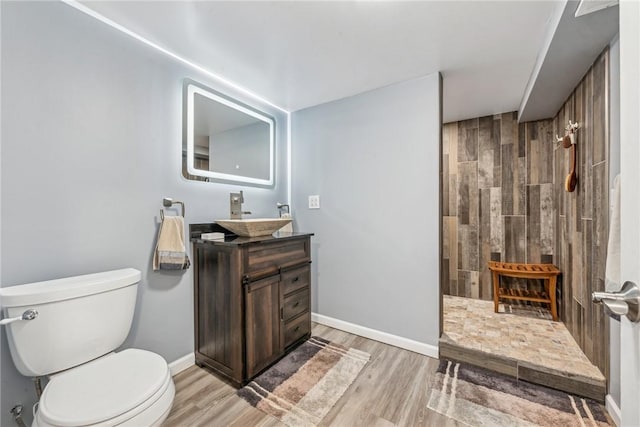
(582, 217)
(503, 199)
(497, 199)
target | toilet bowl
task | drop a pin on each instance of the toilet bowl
(132, 387)
(80, 321)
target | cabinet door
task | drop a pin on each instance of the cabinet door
(218, 310)
(264, 324)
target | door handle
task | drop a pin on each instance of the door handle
(625, 302)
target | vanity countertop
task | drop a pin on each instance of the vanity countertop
(195, 230)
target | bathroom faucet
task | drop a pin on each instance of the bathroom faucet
(281, 207)
(235, 205)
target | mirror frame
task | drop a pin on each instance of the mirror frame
(190, 89)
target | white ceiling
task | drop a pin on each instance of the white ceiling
(298, 54)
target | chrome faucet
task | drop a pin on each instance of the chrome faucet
(281, 207)
(235, 205)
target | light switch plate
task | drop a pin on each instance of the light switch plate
(314, 202)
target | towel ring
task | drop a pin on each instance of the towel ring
(167, 202)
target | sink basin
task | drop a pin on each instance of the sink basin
(253, 227)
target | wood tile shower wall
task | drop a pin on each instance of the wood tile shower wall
(503, 199)
(497, 199)
(582, 217)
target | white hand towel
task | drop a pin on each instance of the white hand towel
(170, 253)
(612, 269)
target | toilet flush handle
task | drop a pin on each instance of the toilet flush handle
(27, 315)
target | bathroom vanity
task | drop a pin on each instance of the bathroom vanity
(251, 300)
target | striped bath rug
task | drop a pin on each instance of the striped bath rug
(477, 397)
(301, 388)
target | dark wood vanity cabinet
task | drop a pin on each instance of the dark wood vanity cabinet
(252, 301)
(263, 324)
(296, 304)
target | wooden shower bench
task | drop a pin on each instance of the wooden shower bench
(547, 272)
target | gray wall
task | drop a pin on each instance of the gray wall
(91, 142)
(374, 160)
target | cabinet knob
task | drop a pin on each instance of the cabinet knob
(296, 304)
(295, 279)
(296, 329)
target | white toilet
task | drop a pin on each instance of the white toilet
(80, 322)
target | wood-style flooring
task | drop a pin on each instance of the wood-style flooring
(392, 390)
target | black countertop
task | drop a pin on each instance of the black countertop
(230, 239)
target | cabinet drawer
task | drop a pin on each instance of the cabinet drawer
(293, 280)
(296, 329)
(266, 258)
(295, 304)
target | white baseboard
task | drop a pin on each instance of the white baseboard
(182, 363)
(613, 409)
(363, 331)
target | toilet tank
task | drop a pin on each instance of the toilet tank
(79, 319)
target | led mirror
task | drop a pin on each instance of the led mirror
(226, 140)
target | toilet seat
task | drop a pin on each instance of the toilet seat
(115, 389)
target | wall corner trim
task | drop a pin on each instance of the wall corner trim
(384, 337)
(613, 409)
(182, 363)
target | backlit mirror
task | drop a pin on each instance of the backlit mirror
(226, 140)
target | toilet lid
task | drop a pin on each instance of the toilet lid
(103, 388)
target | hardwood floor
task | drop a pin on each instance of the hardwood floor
(392, 390)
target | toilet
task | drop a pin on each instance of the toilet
(80, 321)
